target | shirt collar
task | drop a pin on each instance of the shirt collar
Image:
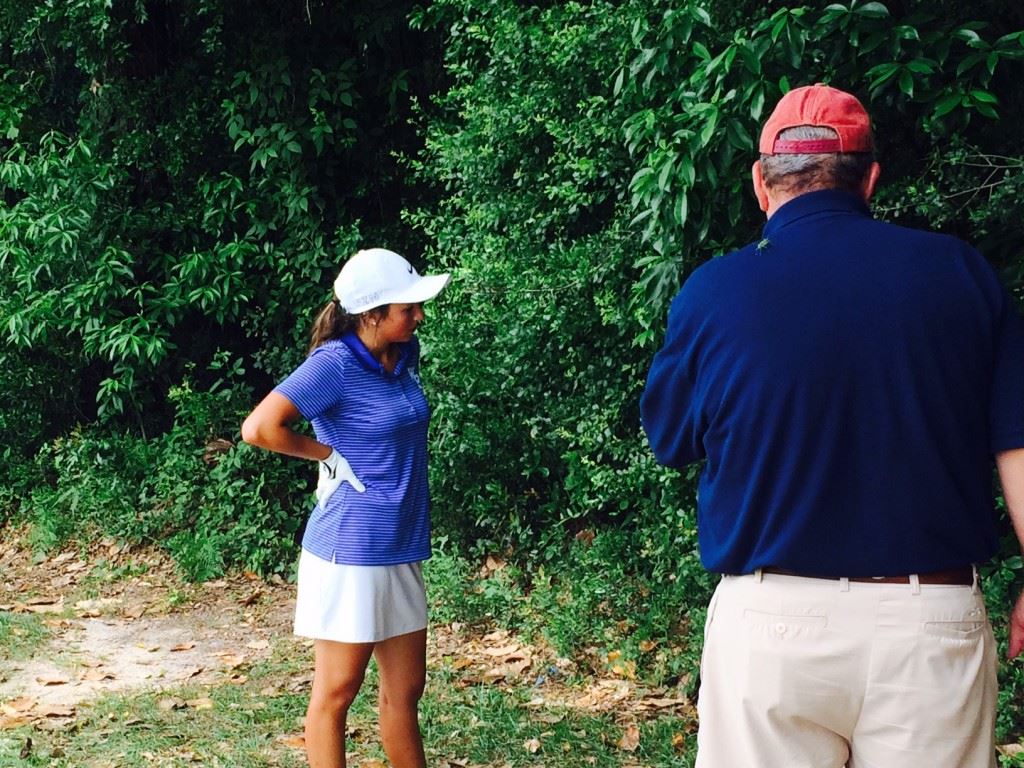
(368, 361)
(810, 203)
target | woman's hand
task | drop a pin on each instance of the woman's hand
(334, 470)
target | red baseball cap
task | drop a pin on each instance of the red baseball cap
(821, 106)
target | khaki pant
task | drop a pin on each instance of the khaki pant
(801, 672)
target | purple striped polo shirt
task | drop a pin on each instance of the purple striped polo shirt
(378, 421)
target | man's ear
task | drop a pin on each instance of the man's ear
(760, 189)
(867, 186)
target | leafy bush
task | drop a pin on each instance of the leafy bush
(210, 500)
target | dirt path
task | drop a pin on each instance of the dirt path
(121, 620)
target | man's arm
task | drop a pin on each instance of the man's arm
(1011, 474)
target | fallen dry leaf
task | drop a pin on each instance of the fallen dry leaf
(586, 536)
(44, 607)
(661, 703)
(56, 710)
(630, 739)
(8, 723)
(549, 717)
(504, 650)
(297, 741)
(51, 679)
(171, 702)
(96, 675)
(135, 612)
(532, 746)
(200, 703)
(18, 706)
(189, 672)
(232, 660)
(44, 600)
(183, 647)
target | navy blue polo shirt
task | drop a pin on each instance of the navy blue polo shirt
(378, 421)
(847, 382)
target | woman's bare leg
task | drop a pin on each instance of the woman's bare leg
(402, 663)
(339, 669)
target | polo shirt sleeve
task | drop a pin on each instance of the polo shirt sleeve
(317, 385)
(670, 408)
(1007, 403)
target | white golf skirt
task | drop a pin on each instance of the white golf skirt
(358, 603)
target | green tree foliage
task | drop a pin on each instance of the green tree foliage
(180, 177)
(179, 182)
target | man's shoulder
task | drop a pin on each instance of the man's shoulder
(931, 237)
(720, 267)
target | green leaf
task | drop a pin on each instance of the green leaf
(921, 66)
(665, 175)
(987, 111)
(967, 35)
(872, 10)
(681, 208)
(907, 82)
(947, 104)
(757, 102)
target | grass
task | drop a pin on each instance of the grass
(21, 634)
(247, 725)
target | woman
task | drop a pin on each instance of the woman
(360, 591)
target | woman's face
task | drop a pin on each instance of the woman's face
(400, 323)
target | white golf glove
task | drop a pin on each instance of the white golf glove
(334, 470)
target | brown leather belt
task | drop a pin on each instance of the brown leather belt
(954, 576)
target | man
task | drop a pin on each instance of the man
(847, 383)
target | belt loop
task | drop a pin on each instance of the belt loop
(844, 584)
(758, 575)
(975, 586)
(915, 584)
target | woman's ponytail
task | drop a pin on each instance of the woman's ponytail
(332, 322)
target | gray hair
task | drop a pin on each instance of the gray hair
(797, 174)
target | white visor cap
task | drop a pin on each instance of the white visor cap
(376, 276)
